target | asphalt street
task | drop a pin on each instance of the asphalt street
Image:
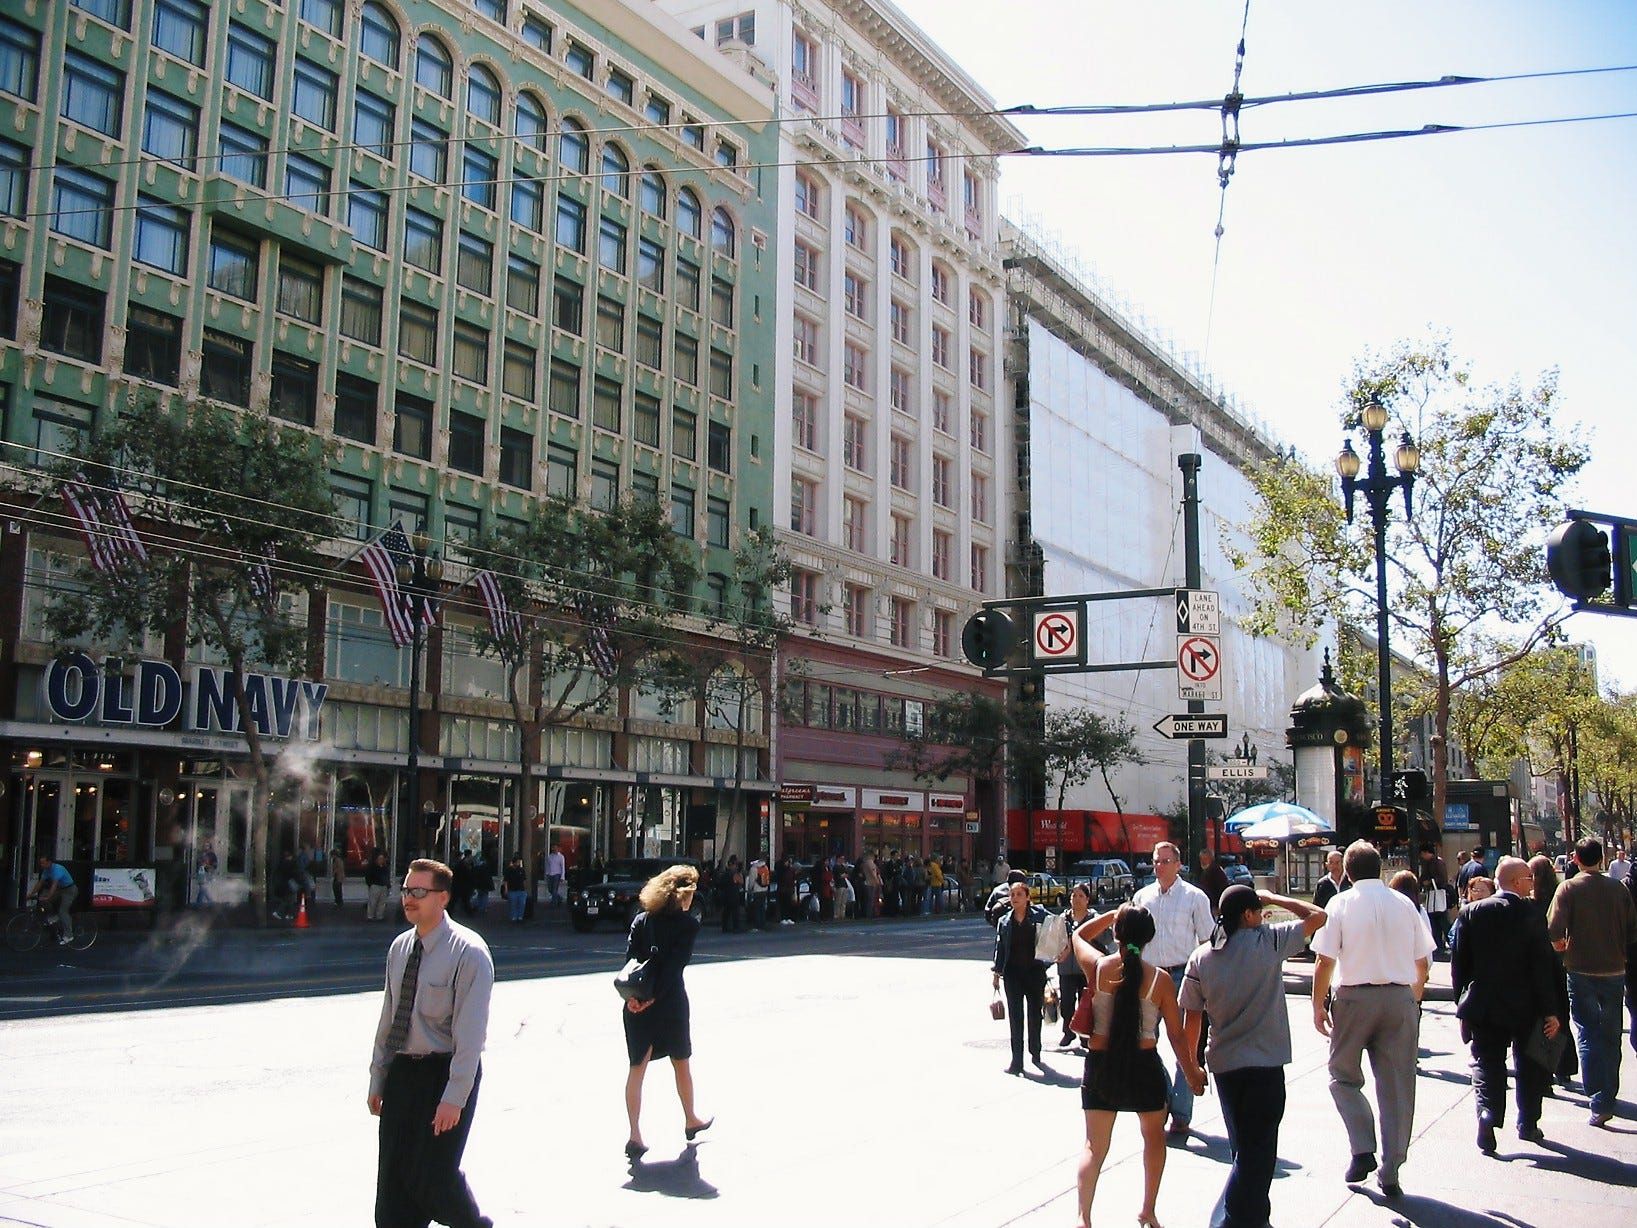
(853, 1070)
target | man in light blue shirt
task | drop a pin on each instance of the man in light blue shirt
(56, 889)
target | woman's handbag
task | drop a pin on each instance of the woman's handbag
(997, 1006)
(1080, 1025)
(1048, 1004)
(1050, 938)
(635, 981)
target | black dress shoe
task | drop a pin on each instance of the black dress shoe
(1532, 1134)
(1486, 1134)
(635, 1151)
(1035, 1058)
(694, 1132)
(1015, 1068)
(1364, 1163)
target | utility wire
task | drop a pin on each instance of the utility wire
(1225, 162)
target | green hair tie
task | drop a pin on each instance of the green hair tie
(1133, 948)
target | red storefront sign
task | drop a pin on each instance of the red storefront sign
(1086, 831)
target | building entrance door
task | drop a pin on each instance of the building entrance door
(219, 819)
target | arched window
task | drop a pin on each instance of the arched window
(483, 95)
(653, 192)
(378, 35)
(616, 169)
(688, 213)
(574, 148)
(434, 70)
(530, 123)
(722, 231)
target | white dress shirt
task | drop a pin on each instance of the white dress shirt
(451, 1012)
(1375, 935)
(1182, 920)
(1619, 868)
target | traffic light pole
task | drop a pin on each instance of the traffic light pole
(1189, 462)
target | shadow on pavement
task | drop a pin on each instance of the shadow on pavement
(678, 1178)
(1585, 1164)
(1426, 1212)
(1216, 1148)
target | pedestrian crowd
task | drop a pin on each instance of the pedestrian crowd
(754, 896)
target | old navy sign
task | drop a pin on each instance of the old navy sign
(79, 689)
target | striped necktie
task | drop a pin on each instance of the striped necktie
(398, 1034)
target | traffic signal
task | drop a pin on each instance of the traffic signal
(1577, 556)
(987, 638)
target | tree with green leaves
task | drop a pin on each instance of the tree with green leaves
(1468, 568)
(1080, 741)
(246, 504)
(598, 595)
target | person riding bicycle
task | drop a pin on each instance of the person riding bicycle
(56, 888)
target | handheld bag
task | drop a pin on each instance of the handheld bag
(635, 981)
(997, 1006)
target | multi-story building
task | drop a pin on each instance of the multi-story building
(890, 455)
(1102, 411)
(483, 249)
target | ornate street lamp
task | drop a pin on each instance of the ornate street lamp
(418, 579)
(1377, 486)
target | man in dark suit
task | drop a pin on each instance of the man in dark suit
(1501, 966)
(1333, 883)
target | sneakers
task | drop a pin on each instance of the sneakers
(63, 940)
(1601, 1119)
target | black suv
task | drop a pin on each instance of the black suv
(616, 896)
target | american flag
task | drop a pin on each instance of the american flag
(261, 580)
(105, 522)
(597, 619)
(505, 624)
(381, 557)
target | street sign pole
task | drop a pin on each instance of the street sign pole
(1189, 463)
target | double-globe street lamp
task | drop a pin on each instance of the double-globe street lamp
(1377, 486)
(419, 574)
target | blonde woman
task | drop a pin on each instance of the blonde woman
(664, 931)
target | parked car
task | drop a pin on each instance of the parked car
(616, 896)
(1046, 889)
(1109, 878)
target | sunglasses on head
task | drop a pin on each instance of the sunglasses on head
(420, 893)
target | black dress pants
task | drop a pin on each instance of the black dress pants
(1027, 986)
(1489, 1046)
(419, 1179)
(1253, 1105)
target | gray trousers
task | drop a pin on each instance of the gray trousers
(1383, 1021)
(377, 907)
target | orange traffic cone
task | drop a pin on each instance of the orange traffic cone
(301, 914)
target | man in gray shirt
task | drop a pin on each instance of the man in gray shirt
(424, 1073)
(1238, 979)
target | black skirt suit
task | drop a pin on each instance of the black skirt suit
(663, 1029)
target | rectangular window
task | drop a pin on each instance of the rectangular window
(323, 15)
(980, 498)
(803, 59)
(942, 547)
(233, 265)
(901, 390)
(518, 371)
(611, 324)
(224, 368)
(942, 412)
(853, 523)
(803, 506)
(903, 622)
(471, 353)
(606, 398)
(537, 33)
(903, 317)
(494, 10)
(621, 86)
(645, 420)
(19, 60)
(681, 511)
(805, 334)
(563, 391)
(807, 196)
(412, 426)
(161, 236)
(658, 110)
(570, 224)
(295, 389)
(980, 431)
(857, 601)
(980, 568)
(529, 204)
(466, 443)
(940, 346)
(313, 94)
(684, 432)
(854, 228)
(650, 348)
(977, 309)
(899, 256)
(479, 172)
(568, 305)
(580, 60)
(943, 488)
(153, 345)
(807, 266)
(721, 374)
(718, 521)
(355, 401)
(301, 290)
(854, 432)
(899, 471)
(943, 633)
(562, 471)
(82, 206)
(940, 284)
(14, 165)
(516, 458)
(360, 310)
(307, 183)
(611, 245)
(474, 264)
(978, 369)
(92, 94)
(351, 497)
(651, 265)
(605, 485)
(243, 154)
(686, 364)
(804, 609)
(374, 123)
(423, 240)
(804, 419)
(418, 332)
(367, 215)
(523, 285)
(428, 151)
(687, 284)
(250, 61)
(170, 129)
(855, 367)
(719, 447)
(179, 28)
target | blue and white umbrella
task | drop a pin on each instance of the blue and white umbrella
(1280, 822)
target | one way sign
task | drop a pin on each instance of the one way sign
(1186, 725)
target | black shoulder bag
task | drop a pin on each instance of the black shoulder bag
(635, 981)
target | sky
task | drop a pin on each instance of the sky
(1519, 244)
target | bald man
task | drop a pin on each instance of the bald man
(1502, 968)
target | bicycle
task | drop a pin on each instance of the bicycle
(29, 928)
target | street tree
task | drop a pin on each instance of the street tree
(598, 596)
(1468, 568)
(1080, 741)
(245, 503)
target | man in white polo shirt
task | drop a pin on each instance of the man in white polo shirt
(1182, 920)
(1376, 949)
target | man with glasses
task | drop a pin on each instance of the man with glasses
(1182, 920)
(424, 1073)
